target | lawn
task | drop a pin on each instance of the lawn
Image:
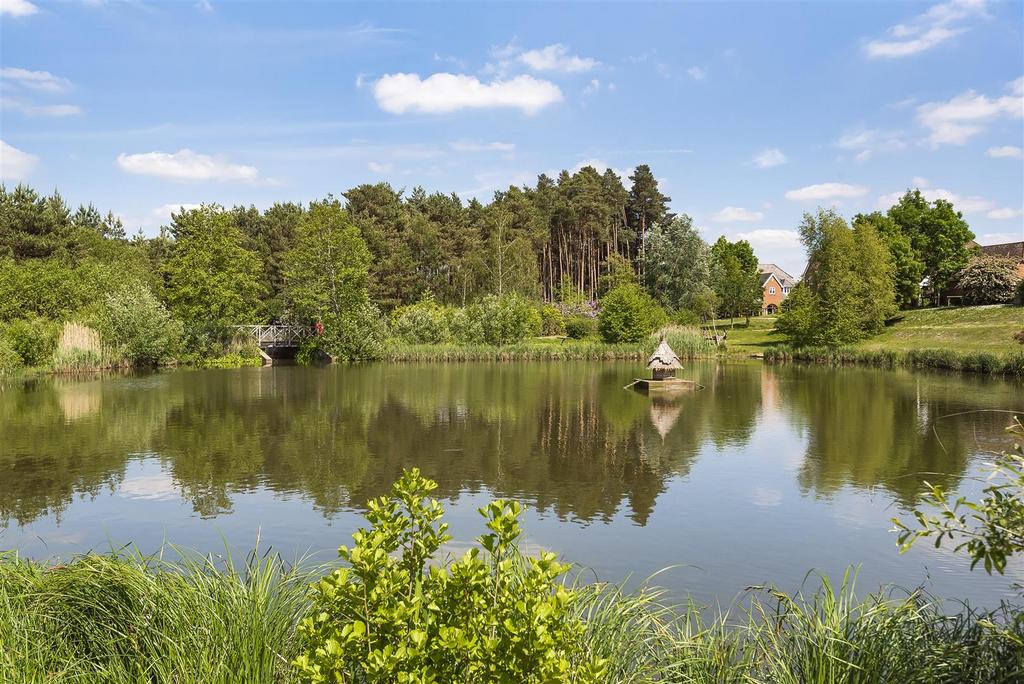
(963, 329)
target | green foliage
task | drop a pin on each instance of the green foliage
(213, 280)
(848, 289)
(10, 361)
(138, 326)
(943, 359)
(580, 327)
(677, 262)
(504, 320)
(32, 339)
(618, 270)
(908, 268)
(938, 235)
(425, 322)
(244, 357)
(551, 320)
(990, 530)
(988, 280)
(360, 335)
(628, 314)
(735, 279)
(390, 615)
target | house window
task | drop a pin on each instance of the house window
(771, 290)
(785, 290)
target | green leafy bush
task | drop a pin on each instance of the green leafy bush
(359, 335)
(628, 314)
(580, 327)
(551, 320)
(9, 359)
(34, 339)
(425, 322)
(504, 320)
(392, 616)
(138, 326)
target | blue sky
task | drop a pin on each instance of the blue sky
(750, 114)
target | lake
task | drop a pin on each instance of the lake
(768, 473)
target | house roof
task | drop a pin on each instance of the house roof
(664, 358)
(765, 271)
(1013, 250)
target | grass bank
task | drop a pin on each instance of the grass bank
(687, 342)
(1011, 363)
(128, 618)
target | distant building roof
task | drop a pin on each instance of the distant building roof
(1012, 250)
(664, 358)
(767, 270)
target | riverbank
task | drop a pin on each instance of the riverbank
(128, 618)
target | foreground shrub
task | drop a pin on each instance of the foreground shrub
(392, 616)
(504, 320)
(359, 335)
(628, 314)
(138, 326)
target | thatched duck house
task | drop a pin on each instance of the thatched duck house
(663, 362)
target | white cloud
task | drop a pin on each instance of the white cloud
(1005, 213)
(17, 8)
(970, 204)
(556, 58)
(961, 118)
(998, 238)
(919, 182)
(186, 165)
(30, 109)
(204, 6)
(15, 164)
(479, 146)
(776, 245)
(867, 141)
(599, 165)
(592, 87)
(444, 92)
(697, 73)
(927, 30)
(824, 191)
(731, 214)
(769, 157)
(379, 167)
(36, 80)
(1008, 151)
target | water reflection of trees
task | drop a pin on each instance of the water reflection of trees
(874, 428)
(564, 437)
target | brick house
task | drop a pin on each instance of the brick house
(775, 285)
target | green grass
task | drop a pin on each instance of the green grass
(685, 341)
(128, 618)
(744, 339)
(964, 329)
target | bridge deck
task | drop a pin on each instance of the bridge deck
(275, 335)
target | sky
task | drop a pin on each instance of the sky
(749, 114)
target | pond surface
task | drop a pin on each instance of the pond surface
(769, 472)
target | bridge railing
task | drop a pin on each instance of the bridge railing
(275, 335)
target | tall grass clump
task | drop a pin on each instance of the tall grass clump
(688, 342)
(130, 618)
(79, 348)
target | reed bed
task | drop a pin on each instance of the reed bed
(1011, 364)
(129, 618)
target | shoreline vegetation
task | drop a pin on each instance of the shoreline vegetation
(493, 614)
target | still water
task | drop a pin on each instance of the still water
(768, 473)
